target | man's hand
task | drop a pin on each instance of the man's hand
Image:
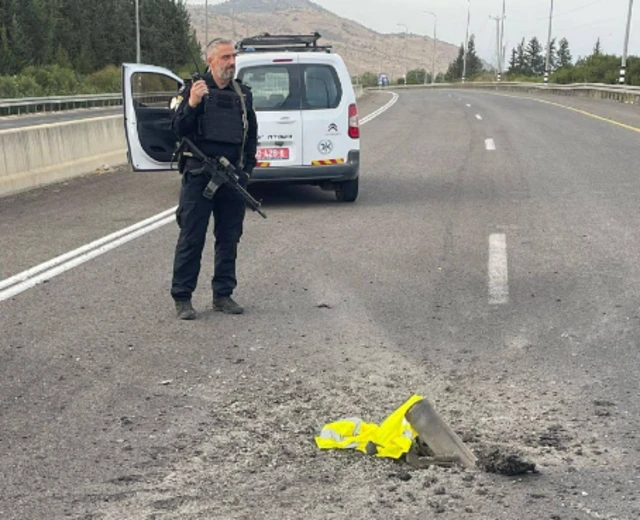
(198, 90)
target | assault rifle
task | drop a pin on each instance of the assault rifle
(219, 171)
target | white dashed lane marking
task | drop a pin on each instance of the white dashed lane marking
(498, 279)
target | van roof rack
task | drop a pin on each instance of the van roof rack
(266, 42)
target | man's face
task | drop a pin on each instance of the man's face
(222, 62)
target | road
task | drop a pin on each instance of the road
(489, 264)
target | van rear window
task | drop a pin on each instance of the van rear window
(321, 87)
(274, 87)
(278, 87)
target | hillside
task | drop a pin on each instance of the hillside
(362, 49)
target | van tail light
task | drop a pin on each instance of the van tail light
(354, 125)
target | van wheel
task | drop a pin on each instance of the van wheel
(347, 191)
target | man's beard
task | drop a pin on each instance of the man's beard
(227, 73)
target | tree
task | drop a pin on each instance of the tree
(474, 63)
(416, 77)
(563, 57)
(513, 62)
(368, 79)
(519, 64)
(552, 56)
(63, 32)
(535, 59)
(5, 50)
(597, 48)
(19, 45)
(454, 71)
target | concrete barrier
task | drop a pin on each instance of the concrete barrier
(36, 156)
(41, 155)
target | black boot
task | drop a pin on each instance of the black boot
(185, 310)
(227, 305)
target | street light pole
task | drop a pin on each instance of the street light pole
(206, 24)
(497, 20)
(433, 67)
(138, 53)
(546, 67)
(466, 42)
(233, 18)
(502, 51)
(623, 66)
(406, 33)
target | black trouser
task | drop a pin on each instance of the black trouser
(193, 214)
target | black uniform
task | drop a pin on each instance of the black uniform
(216, 126)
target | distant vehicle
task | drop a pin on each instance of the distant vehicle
(305, 104)
(383, 79)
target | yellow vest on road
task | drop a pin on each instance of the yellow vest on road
(392, 438)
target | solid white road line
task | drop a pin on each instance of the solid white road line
(47, 270)
(25, 275)
(498, 270)
(489, 144)
(478, 117)
(47, 275)
(373, 115)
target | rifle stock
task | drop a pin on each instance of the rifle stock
(220, 171)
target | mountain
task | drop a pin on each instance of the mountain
(362, 48)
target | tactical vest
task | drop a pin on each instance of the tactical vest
(223, 119)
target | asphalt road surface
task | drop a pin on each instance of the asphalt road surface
(490, 264)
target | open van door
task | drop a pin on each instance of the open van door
(148, 98)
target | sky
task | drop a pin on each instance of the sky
(582, 22)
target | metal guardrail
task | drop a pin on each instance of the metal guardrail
(27, 105)
(21, 106)
(621, 93)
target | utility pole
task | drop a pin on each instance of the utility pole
(546, 67)
(502, 51)
(466, 42)
(138, 53)
(433, 66)
(498, 53)
(233, 18)
(623, 66)
(206, 25)
(406, 33)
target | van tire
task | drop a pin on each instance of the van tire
(347, 191)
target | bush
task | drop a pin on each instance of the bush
(53, 79)
(19, 86)
(106, 80)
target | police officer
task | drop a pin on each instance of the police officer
(217, 114)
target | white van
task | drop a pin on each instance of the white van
(306, 107)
